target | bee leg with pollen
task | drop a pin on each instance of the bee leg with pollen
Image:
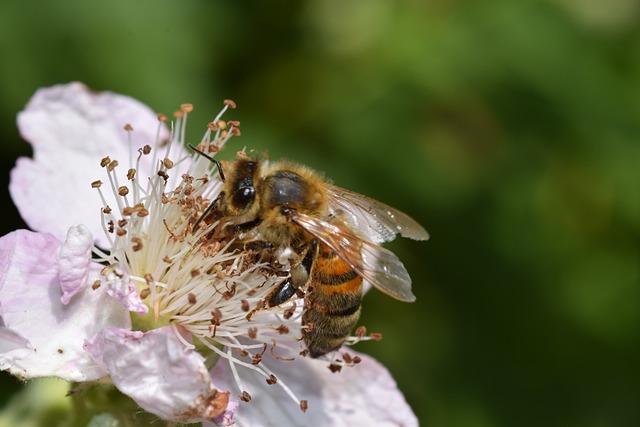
(281, 293)
(298, 279)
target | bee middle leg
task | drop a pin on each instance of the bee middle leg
(252, 245)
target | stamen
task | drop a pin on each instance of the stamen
(177, 333)
(129, 129)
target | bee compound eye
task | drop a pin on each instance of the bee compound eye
(243, 197)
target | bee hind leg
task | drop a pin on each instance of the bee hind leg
(281, 293)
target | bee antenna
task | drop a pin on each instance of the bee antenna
(206, 156)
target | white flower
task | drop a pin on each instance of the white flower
(159, 303)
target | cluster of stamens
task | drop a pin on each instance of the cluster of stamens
(174, 274)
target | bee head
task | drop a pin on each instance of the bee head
(240, 190)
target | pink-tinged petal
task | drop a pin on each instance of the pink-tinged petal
(70, 125)
(10, 340)
(74, 259)
(225, 419)
(95, 347)
(120, 287)
(161, 374)
(40, 336)
(362, 395)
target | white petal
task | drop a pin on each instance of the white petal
(362, 395)
(69, 125)
(161, 374)
(41, 337)
(74, 259)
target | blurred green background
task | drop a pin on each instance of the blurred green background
(510, 129)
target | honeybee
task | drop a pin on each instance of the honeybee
(334, 233)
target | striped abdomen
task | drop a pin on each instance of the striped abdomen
(333, 303)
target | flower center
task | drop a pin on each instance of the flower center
(170, 272)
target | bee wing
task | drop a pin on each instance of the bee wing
(377, 265)
(377, 221)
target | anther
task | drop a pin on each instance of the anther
(145, 293)
(245, 396)
(271, 379)
(168, 163)
(112, 165)
(95, 285)
(128, 127)
(252, 333)
(335, 368)
(162, 118)
(376, 336)
(187, 108)
(137, 244)
(230, 103)
(123, 191)
(304, 405)
(217, 316)
(96, 184)
(131, 174)
(289, 312)
(230, 293)
(146, 149)
(258, 357)
(105, 161)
